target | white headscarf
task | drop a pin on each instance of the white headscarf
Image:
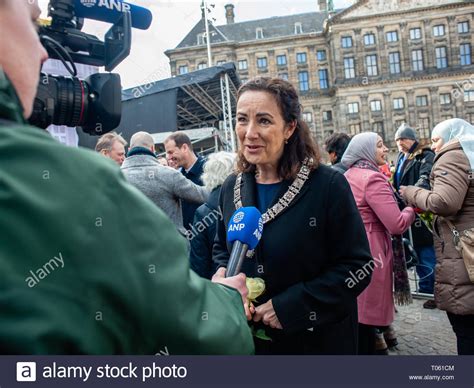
(460, 130)
(362, 147)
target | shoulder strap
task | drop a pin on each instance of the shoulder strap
(450, 224)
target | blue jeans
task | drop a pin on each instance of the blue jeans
(426, 268)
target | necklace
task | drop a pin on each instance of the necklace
(285, 200)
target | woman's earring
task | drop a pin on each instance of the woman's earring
(286, 141)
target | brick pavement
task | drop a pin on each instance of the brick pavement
(423, 332)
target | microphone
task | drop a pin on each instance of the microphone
(111, 10)
(245, 230)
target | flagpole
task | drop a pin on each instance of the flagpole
(208, 38)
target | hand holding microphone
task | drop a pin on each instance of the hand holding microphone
(237, 282)
(245, 230)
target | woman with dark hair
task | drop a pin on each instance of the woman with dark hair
(313, 239)
(336, 145)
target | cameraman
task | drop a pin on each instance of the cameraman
(88, 265)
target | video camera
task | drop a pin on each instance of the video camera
(94, 103)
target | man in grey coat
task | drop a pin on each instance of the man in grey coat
(163, 185)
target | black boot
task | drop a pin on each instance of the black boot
(390, 337)
(381, 348)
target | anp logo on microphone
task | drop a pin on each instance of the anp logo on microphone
(26, 371)
(88, 3)
(238, 217)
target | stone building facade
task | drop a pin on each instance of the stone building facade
(371, 66)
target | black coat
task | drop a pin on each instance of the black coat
(416, 171)
(194, 175)
(306, 256)
(203, 234)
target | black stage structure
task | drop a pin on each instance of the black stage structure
(199, 99)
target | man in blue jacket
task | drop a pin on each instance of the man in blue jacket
(413, 168)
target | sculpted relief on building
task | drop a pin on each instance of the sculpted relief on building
(377, 7)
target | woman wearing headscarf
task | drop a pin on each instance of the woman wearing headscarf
(451, 198)
(382, 218)
(313, 240)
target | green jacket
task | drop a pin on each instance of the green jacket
(89, 265)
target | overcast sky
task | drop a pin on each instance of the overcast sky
(173, 19)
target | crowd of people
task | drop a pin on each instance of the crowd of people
(365, 219)
(142, 238)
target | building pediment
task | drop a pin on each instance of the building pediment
(365, 8)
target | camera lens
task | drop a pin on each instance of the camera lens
(60, 101)
(94, 104)
(71, 102)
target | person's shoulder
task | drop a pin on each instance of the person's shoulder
(451, 155)
(226, 193)
(368, 175)
(229, 183)
(140, 160)
(339, 167)
(200, 162)
(202, 211)
(169, 172)
(426, 152)
(325, 175)
(322, 172)
(375, 179)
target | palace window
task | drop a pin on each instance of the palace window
(439, 30)
(349, 68)
(415, 33)
(281, 60)
(353, 108)
(465, 54)
(392, 36)
(303, 80)
(369, 39)
(323, 79)
(346, 41)
(301, 58)
(371, 65)
(417, 60)
(421, 100)
(394, 62)
(398, 103)
(376, 105)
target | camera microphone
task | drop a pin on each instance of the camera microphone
(245, 230)
(110, 11)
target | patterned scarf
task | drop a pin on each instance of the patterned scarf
(402, 293)
(366, 165)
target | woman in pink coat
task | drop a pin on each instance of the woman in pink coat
(382, 218)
